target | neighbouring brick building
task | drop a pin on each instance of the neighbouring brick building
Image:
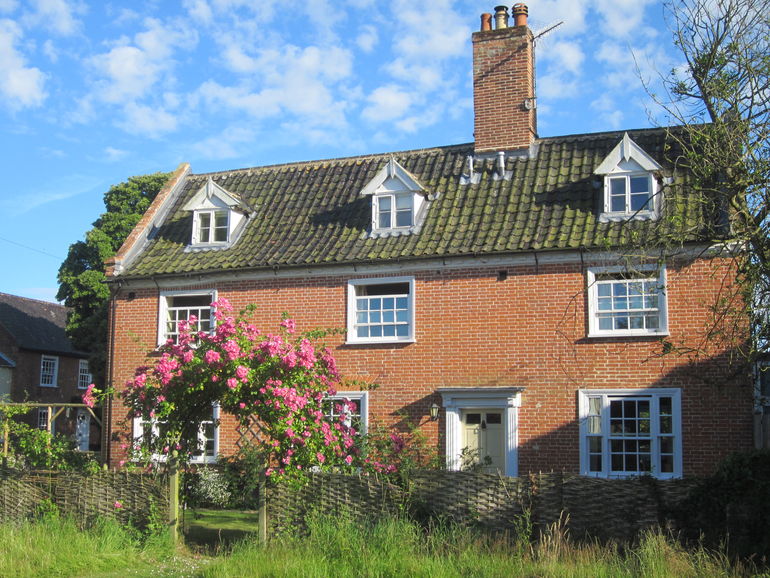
(38, 364)
(520, 284)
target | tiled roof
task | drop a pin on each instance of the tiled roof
(312, 214)
(36, 325)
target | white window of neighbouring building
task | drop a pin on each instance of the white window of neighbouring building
(84, 374)
(49, 371)
(178, 306)
(627, 433)
(627, 303)
(381, 310)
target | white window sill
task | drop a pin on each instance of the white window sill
(207, 246)
(605, 334)
(49, 386)
(638, 216)
(392, 341)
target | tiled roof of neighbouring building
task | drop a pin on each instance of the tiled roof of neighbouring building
(36, 325)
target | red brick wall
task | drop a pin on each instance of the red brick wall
(528, 330)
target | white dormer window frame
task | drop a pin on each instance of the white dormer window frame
(630, 188)
(393, 211)
(218, 217)
(211, 226)
(398, 201)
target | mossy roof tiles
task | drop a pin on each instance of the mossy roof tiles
(312, 213)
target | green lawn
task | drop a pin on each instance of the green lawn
(210, 530)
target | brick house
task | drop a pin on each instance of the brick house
(518, 284)
(38, 364)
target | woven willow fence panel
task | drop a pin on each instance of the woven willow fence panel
(122, 495)
(359, 497)
(487, 500)
(19, 500)
(607, 509)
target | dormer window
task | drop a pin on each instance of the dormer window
(395, 211)
(399, 202)
(630, 183)
(213, 227)
(628, 193)
(218, 217)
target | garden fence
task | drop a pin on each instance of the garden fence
(127, 496)
(605, 509)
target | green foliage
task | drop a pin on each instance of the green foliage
(244, 471)
(733, 506)
(34, 448)
(719, 96)
(81, 275)
(207, 487)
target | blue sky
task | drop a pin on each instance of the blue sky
(92, 92)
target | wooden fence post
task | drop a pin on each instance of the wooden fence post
(262, 507)
(173, 497)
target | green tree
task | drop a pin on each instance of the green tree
(82, 285)
(720, 97)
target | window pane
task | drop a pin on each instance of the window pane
(640, 185)
(404, 218)
(618, 194)
(384, 211)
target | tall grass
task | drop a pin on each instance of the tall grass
(398, 547)
(341, 547)
(58, 547)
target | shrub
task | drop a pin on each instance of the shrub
(207, 487)
(732, 506)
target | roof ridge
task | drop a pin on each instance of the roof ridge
(311, 162)
(32, 299)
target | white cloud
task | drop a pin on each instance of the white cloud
(147, 121)
(419, 39)
(548, 12)
(292, 81)
(608, 112)
(367, 38)
(8, 6)
(112, 154)
(555, 85)
(199, 10)
(59, 16)
(133, 69)
(387, 103)
(21, 86)
(227, 144)
(623, 18)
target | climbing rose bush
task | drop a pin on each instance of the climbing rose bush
(274, 382)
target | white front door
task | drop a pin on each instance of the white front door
(83, 430)
(483, 439)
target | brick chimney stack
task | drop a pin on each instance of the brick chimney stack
(504, 82)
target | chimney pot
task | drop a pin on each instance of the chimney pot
(520, 12)
(501, 17)
(486, 22)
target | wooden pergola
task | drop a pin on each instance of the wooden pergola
(54, 411)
